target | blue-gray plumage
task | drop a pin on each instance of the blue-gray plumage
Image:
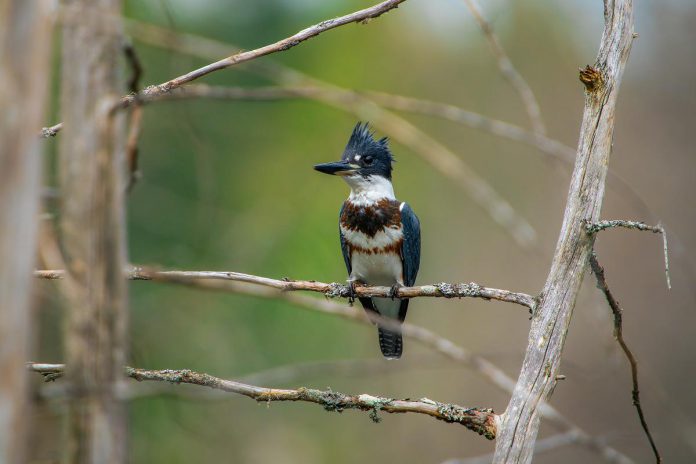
(380, 236)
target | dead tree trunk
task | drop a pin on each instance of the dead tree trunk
(24, 73)
(516, 436)
(91, 178)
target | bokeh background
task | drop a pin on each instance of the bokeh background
(229, 185)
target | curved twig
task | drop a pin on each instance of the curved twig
(593, 228)
(616, 310)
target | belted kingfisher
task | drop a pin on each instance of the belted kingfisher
(380, 236)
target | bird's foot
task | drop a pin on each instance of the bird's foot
(394, 291)
(351, 292)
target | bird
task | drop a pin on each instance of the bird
(380, 235)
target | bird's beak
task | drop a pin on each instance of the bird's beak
(340, 168)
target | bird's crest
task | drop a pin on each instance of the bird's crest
(362, 142)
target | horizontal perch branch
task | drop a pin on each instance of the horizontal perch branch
(332, 290)
(481, 421)
(444, 346)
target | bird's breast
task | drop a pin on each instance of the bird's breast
(374, 237)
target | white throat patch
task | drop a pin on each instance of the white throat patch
(369, 190)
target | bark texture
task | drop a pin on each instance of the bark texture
(24, 73)
(515, 443)
(91, 178)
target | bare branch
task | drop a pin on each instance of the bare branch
(550, 324)
(361, 16)
(481, 421)
(593, 228)
(508, 70)
(616, 310)
(425, 337)
(332, 290)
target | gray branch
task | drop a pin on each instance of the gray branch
(331, 290)
(550, 323)
(480, 420)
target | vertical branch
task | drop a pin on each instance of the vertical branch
(25, 30)
(91, 177)
(552, 318)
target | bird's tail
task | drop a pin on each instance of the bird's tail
(390, 343)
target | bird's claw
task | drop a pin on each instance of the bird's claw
(351, 292)
(394, 291)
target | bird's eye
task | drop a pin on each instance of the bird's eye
(368, 160)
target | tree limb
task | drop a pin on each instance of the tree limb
(480, 420)
(331, 290)
(550, 324)
(616, 310)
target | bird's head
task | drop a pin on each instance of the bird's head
(364, 158)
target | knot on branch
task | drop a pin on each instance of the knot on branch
(471, 289)
(591, 77)
(464, 416)
(50, 131)
(376, 403)
(330, 400)
(337, 290)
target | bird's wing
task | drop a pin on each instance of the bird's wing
(344, 245)
(410, 250)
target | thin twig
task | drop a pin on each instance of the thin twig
(598, 271)
(361, 16)
(480, 420)
(332, 290)
(509, 71)
(636, 225)
(136, 115)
